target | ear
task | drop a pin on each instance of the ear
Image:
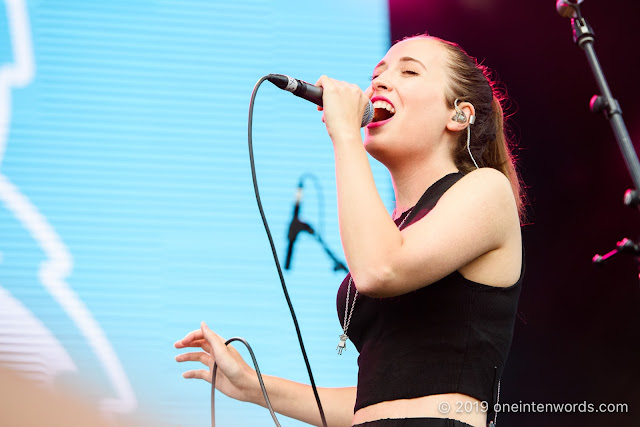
(468, 110)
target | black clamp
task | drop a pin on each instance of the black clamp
(624, 246)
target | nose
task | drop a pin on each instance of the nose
(380, 84)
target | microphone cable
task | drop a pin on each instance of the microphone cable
(255, 365)
(277, 262)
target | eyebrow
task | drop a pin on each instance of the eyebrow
(403, 59)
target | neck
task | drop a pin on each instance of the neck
(410, 181)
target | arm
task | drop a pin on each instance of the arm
(297, 401)
(239, 381)
(478, 215)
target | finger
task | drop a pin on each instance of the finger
(322, 81)
(369, 92)
(216, 341)
(323, 118)
(201, 374)
(199, 356)
(195, 343)
(203, 344)
(191, 336)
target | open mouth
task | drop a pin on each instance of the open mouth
(382, 111)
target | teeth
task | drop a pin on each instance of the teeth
(385, 105)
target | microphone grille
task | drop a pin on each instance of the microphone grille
(368, 115)
(566, 8)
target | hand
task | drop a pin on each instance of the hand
(344, 105)
(233, 378)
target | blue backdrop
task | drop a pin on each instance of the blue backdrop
(128, 214)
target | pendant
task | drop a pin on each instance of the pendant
(342, 345)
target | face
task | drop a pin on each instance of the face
(408, 94)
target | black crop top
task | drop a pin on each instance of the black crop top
(452, 336)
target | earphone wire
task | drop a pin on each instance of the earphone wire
(460, 115)
(469, 145)
(277, 262)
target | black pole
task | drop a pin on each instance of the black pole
(584, 37)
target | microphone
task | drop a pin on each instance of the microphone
(296, 226)
(311, 93)
(568, 8)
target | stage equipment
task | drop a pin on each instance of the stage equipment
(296, 226)
(605, 103)
(624, 246)
(314, 94)
(311, 93)
(214, 370)
(281, 276)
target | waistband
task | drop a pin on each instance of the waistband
(414, 422)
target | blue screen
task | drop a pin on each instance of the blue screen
(127, 211)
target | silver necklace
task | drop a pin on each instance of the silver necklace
(342, 344)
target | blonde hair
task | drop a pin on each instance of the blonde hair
(490, 144)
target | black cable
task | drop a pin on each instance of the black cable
(255, 365)
(275, 255)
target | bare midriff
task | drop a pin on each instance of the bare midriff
(450, 405)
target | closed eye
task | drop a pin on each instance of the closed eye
(407, 72)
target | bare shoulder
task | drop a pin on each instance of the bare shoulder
(487, 175)
(484, 191)
(488, 181)
(474, 229)
(487, 196)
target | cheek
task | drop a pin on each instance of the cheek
(421, 98)
(426, 115)
(432, 108)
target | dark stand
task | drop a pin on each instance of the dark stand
(299, 226)
(605, 103)
(337, 264)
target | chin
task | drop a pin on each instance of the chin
(376, 149)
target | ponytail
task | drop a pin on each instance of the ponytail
(498, 155)
(471, 82)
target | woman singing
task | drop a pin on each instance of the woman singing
(432, 293)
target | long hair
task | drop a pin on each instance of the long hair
(490, 143)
